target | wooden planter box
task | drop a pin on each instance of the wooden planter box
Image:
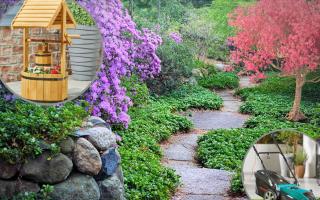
(46, 88)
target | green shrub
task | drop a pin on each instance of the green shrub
(24, 127)
(43, 194)
(197, 97)
(236, 183)
(211, 69)
(136, 90)
(207, 28)
(221, 80)
(177, 63)
(145, 177)
(148, 15)
(81, 16)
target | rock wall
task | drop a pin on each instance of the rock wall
(87, 168)
(11, 50)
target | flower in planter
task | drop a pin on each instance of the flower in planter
(54, 71)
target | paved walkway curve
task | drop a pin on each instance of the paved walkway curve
(200, 183)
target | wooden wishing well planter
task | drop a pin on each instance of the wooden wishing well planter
(41, 81)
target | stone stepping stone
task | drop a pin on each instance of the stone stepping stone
(210, 120)
(203, 181)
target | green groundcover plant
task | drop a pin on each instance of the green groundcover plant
(221, 80)
(25, 128)
(145, 177)
(268, 104)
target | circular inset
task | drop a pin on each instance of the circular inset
(46, 55)
(283, 164)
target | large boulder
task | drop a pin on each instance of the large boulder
(220, 66)
(47, 169)
(7, 170)
(111, 188)
(67, 146)
(102, 138)
(86, 157)
(110, 163)
(10, 188)
(98, 122)
(119, 174)
(77, 187)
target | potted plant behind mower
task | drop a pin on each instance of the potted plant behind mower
(291, 140)
(300, 157)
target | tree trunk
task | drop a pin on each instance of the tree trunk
(295, 113)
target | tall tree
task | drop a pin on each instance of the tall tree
(283, 34)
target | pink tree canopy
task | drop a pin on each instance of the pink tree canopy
(283, 34)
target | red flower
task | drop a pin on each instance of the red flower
(54, 71)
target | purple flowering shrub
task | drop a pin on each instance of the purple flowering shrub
(177, 37)
(126, 51)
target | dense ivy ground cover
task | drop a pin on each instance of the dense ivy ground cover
(26, 128)
(221, 80)
(145, 177)
(268, 104)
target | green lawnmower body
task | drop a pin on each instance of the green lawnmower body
(293, 191)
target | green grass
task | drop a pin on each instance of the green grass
(221, 80)
(268, 104)
(145, 177)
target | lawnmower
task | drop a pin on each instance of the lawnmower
(272, 186)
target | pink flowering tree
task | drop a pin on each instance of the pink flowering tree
(282, 34)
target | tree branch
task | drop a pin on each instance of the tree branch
(315, 80)
(275, 66)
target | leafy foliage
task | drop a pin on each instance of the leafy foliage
(163, 17)
(207, 28)
(44, 194)
(189, 96)
(136, 90)
(221, 80)
(81, 16)
(24, 127)
(176, 66)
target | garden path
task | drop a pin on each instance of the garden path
(200, 183)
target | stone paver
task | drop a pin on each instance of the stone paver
(200, 183)
(182, 147)
(245, 82)
(209, 120)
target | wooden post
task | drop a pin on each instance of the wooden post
(25, 49)
(63, 44)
